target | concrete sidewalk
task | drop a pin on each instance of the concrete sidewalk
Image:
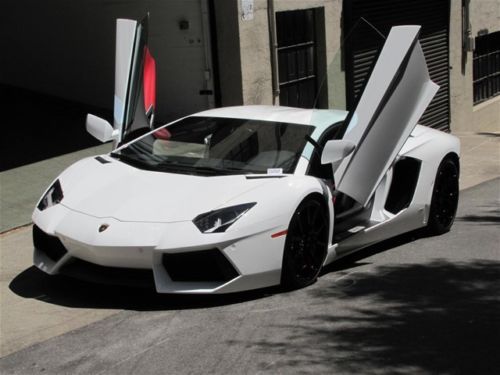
(20, 188)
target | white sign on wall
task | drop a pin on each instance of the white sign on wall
(247, 10)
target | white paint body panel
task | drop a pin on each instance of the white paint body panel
(149, 214)
(396, 95)
(125, 35)
(137, 237)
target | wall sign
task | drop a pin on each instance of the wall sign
(247, 10)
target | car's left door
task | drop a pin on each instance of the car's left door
(135, 78)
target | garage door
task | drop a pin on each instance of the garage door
(363, 45)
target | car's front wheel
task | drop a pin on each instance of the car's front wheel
(305, 245)
(444, 198)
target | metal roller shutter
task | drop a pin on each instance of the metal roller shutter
(363, 45)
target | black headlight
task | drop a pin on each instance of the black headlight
(53, 196)
(219, 220)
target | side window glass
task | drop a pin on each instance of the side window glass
(316, 169)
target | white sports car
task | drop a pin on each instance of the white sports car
(240, 198)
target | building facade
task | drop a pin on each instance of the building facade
(231, 52)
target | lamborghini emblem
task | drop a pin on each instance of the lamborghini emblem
(103, 227)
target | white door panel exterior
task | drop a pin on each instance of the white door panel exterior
(396, 95)
(125, 35)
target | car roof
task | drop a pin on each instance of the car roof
(319, 118)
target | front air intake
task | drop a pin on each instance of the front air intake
(89, 272)
(199, 266)
(47, 244)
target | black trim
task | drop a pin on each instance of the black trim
(249, 177)
(93, 273)
(47, 244)
(315, 168)
(199, 266)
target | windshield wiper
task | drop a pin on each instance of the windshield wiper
(202, 169)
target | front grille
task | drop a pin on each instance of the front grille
(49, 245)
(205, 265)
(90, 272)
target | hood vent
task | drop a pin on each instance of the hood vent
(102, 160)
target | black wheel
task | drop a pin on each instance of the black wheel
(444, 198)
(305, 245)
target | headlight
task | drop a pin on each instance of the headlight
(53, 196)
(219, 220)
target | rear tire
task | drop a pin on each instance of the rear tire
(305, 245)
(444, 198)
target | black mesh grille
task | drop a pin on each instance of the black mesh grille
(206, 265)
(49, 245)
(90, 272)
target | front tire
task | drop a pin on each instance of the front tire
(444, 198)
(305, 245)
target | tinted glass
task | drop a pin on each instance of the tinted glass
(215, 146)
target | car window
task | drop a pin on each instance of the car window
(211, 145)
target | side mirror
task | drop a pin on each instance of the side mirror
(335, 151)
(100, 128)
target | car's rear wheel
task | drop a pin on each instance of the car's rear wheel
(444, 198)
(305, 245)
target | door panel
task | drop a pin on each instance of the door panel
(135, 77)
(397, 93)
(125, 36)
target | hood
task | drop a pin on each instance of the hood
(125, 193)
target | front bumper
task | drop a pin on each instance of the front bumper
(182, 259)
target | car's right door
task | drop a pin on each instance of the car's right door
(396, 95)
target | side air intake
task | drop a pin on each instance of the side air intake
(196, 266)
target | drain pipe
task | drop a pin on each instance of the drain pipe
(274, 49)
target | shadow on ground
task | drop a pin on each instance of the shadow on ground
(490, 216)
(490, 134)
(439, 317)
(70, 292)
(37, 127)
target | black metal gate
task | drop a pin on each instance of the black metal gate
(299, 38)
(363, 45)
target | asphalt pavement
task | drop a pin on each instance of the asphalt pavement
(409, 305)
(425, 305)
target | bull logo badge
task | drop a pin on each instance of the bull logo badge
(103, 227)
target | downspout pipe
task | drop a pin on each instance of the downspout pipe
(274, 49)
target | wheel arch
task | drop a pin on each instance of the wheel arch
(435, 225)
(453, 156)
(322, 199)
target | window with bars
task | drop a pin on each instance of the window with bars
(486, 67)
(297, 34)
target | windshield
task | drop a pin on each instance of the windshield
(216, 146)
